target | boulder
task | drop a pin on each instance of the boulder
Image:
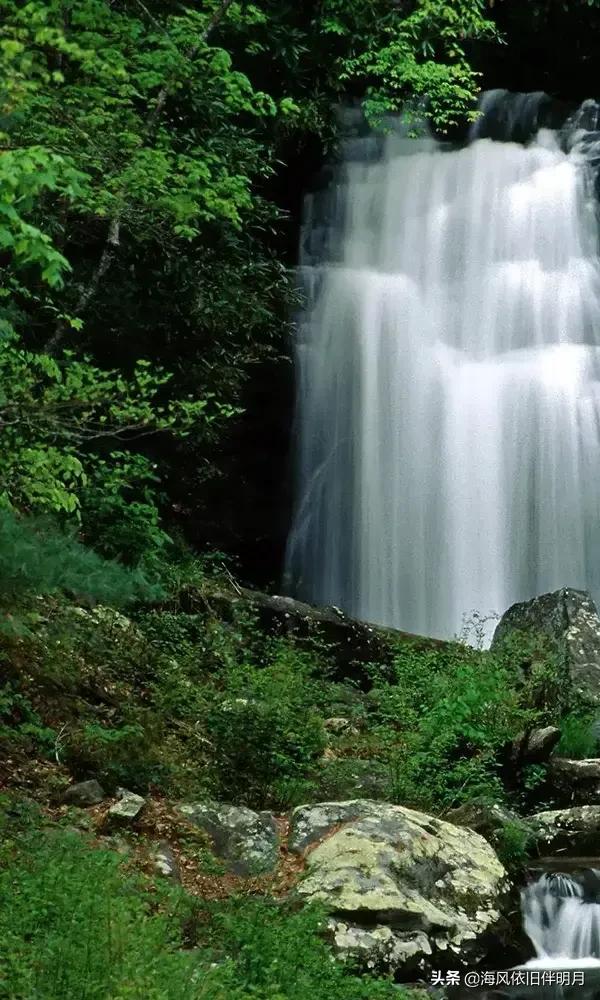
(245, 840)
(572, 831)
(339, 726)
(405, 891)
(568, 626)
(126, 809)
(535, 746)
(488, 820)
(84, 793)
(575, 782)
(165, 862)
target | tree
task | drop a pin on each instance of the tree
(139, 146)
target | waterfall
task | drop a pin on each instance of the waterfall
(561, 915)
(448, 363)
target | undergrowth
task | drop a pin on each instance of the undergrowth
(75, 924)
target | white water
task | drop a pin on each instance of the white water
(449, 455)
(563, 925)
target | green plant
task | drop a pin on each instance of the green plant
(281, 954)
(443, 719)
(21, 725)
(36, 557)
(512, 841)
(578, 735)
(124, 754)
(263, 726)
(76, 926)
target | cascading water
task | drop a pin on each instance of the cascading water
(448, 359)
(561, 916)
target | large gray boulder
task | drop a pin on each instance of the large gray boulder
(404, 890)
(573, 831)
(568, 626)
(245, 840)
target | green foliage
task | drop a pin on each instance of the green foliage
(75, 926)
(444, 717)
(119, 510)
(37, 558)
(418, 54)
(53, 411)
(116, 755)
(512, 843)
(578, 735)
(281, 956)
(139, 226)
(265, 729)
(21, 726)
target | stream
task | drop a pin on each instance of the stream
(561, 918)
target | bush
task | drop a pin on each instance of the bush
(579, 735)
(73, 927)
(36, 557)
(118, 755)
(444, 718)
(265, 729)
(512, 842)
(281, 955)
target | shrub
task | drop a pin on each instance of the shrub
(579, 735)
(444, 718)
(281, 955)
(36, 557)
(264, 727)
(118, 755)
(512, 842)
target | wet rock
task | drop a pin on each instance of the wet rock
(568, 626)
(127, 809)
(245, 840)
(572, 831)
(84, 793)
(406, 890)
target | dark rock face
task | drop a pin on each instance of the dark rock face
(535, 746)
(352, 642)
(567, 622)
(84, 793)
(575, 782)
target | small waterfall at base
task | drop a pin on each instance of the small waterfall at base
(448, 370)
(561, 916)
